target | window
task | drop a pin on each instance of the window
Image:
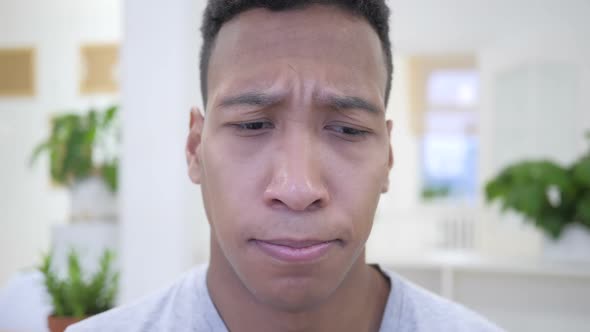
(448, 89)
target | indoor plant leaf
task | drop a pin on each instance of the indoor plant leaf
(72, 143)
(79, 296)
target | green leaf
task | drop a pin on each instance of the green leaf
(71, 146)
(40, 148)
(77, 296)
(552, 225)
(583, 209)
(581, 171)
(110, 175)
(523, 187)
(109, 116)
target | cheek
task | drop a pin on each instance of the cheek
(230, 185)
(355, 180)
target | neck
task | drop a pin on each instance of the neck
(356, 305)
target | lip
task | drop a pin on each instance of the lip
(295, 251)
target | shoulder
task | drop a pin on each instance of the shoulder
(172, 308)
(412, 308)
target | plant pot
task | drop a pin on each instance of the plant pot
(573, 245)
(59, 324)
(92, 200)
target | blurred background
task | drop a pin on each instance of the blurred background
(478, 86)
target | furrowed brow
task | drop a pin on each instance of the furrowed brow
(258, 99)
(349, 103)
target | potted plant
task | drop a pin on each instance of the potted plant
(78, 296)
(82, 151)
(555, 198)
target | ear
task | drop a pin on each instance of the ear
(193, 145)
(390, 162)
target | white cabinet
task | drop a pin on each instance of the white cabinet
(519, 296)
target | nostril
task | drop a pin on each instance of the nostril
(316, 204)
(276, 202)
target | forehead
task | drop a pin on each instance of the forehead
(321, 45)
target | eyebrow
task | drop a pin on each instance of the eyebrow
(349, 102)
(263, 100)
(258, 99)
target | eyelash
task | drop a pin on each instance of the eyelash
(247, 126)
(348, 131)
(262, 125)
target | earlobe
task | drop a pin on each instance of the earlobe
(193, 144)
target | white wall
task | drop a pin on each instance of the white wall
(469, 25)
(29, 204)
(161, 216)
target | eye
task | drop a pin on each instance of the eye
(348, 131)
(253, 127)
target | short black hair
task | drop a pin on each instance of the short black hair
(218, 12)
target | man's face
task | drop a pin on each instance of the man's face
(294, 150)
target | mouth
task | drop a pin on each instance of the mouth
(295, 251)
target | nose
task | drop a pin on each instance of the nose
(297, 181)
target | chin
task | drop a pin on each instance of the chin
(295, 289)
(296, 295)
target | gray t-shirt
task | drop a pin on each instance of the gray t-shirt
(187, 306)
